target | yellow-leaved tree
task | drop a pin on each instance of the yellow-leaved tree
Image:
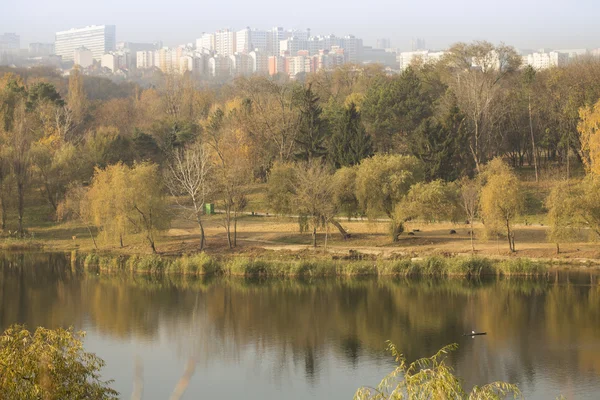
(126, 200)
(589, 136)
(501, 200)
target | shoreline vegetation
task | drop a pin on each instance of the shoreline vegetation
(202, 264)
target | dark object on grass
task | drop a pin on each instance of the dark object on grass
(452, 232)
(473, 333)
(416, 230)
(411, 234)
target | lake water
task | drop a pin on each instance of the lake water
(321, 339)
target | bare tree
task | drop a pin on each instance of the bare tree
(271, 114)
(469, 193)
(188, 180)
(476, 73)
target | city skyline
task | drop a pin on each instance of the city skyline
(524, 26)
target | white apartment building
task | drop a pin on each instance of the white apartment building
(240, 64)
(407, 57)
(116, 60)
(218, 66)
(248, 40)
(98, 39)
(353, 47)
(144, 59)
(206, 42)
(299, 64)
(243, 41)
(547, 60)
(225, 42)
(259, 61)
(83, 57)
(259, 39)
(292, 46)
(275, 36)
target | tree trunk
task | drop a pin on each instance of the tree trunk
(535, 163)
(3, 211)
(557, 248)
(121, 239)
(345, 235)
(21, 207)
(510, 238)
(235, 228)
(228, 225)
(199, 222)
(397, 230)
(472, 242)
(314, 236)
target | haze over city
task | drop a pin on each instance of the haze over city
(527, 25)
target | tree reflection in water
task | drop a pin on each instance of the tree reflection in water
(534, 326)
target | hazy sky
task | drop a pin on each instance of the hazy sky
(522, 23)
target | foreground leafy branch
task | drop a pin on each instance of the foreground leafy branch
(49, 364)
(430, 378)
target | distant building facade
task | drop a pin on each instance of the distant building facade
(98, 39)
(10, 43)
(83, 57)
(547, 60)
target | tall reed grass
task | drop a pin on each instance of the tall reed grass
(202, 264)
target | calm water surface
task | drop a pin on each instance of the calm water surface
(321, 339)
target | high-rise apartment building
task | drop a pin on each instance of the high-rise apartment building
(352, 48)
(206, 42)
(292, 46)
(225, 42)
(98, 39)
(259, 61)
(275, 36)
(243, 41)
(144, 59)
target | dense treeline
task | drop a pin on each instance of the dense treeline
(354, 141)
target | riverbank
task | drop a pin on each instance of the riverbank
(202, 264)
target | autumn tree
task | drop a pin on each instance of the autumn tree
(344, 191)
(20, 139)
(562, 204)
(475, 74)
(382, 182)
(589, 134)
(77, 100)
(75, 207)
(270, 114)
(125, 200)
(49, 364)
(232, 171)
(306, 190)
(313, 195)
(470, 193)
(189, 181)
(431, 201)
(501, 200)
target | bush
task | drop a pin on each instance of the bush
(147, 264)
(49, 364)
(522, 266)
